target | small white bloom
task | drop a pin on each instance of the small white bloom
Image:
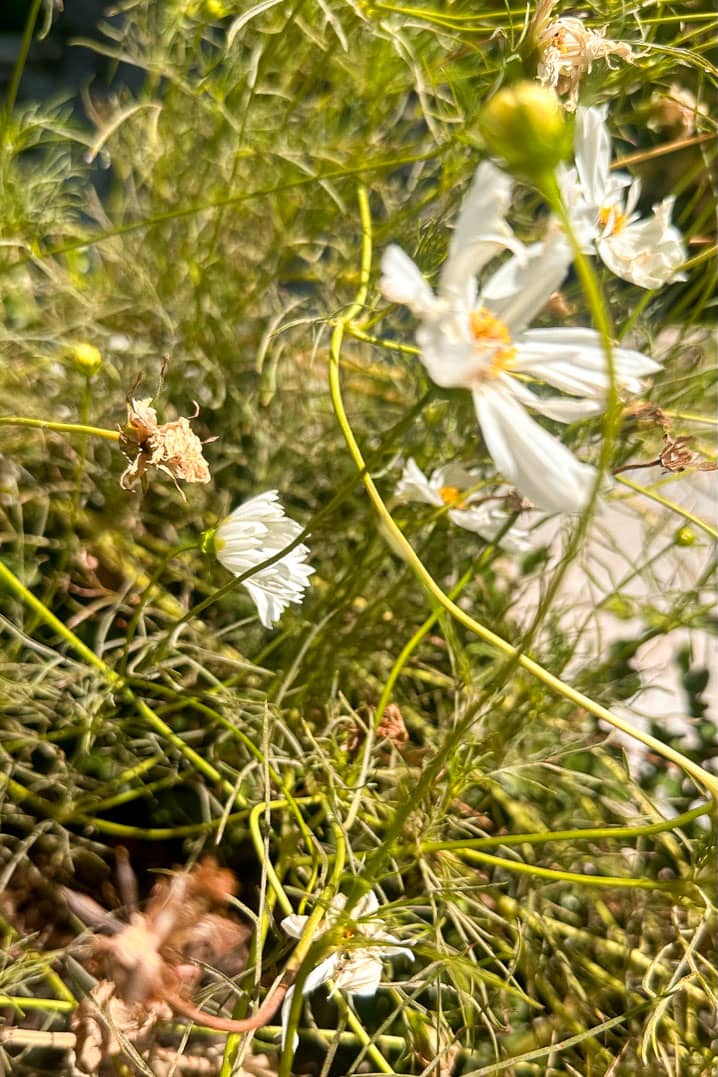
(255, 531)
(567, 50)
(450, 486)
(481, 342)
(645, 252)
(356, 970)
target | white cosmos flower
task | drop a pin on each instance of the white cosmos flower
(355, 969)
(646, 252)
(255, 531)
(480, 341)
(451, 486)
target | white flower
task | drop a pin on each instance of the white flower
(451, 486)
(251, 534)
(645, 252)
(356, 969)
(481, 342)
(567, 49)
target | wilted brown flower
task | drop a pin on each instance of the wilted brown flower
(154, 961)
(676, 456)
(172, 447)
(392, 726)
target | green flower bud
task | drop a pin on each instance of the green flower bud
(526, 126)
(684, 536)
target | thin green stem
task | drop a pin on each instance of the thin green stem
(579, 834)
(62, 428)
(19, 67)
(668, 504)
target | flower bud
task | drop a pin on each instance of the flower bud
(85, 356)
(684, 536)
(526, 126)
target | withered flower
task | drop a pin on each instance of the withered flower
(151, 964)
(172, 447)
(677, 456)
(567, 49)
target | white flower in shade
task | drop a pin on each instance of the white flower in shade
(355, 968)
(254, 532)
(646, 252)
(480, 341)
(567, 50)
(451, 487)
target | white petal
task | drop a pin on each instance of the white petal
(488, 520)
(592, 144)
(541, 467)
(522, 287)
(648, 252)
(481, 229)
(402, 282)
(454, 475)
(562, 409)
(286, 1007)
(360, 974)
(414, 486)
(294, 925)
(573, 360)
(324, 971)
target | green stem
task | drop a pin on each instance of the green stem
(19, 67)
(579, 834)
(63, 428)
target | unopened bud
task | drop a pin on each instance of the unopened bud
(684, 536)
(86, 356)
(526, 126)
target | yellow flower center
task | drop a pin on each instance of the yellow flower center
(451, 495)
(619, 219)
(490, 332)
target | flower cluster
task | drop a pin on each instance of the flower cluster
(479, 339)
(646, 252)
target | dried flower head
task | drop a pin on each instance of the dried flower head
(154, 961)
(677, 456)
(567, 49)
(172, 447)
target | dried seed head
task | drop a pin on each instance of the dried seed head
(172, 447)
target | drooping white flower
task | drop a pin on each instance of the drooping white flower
(355, 968)
(646, 252)
(480, 341)
(451, 486)
(251, 534)
(567, 50)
